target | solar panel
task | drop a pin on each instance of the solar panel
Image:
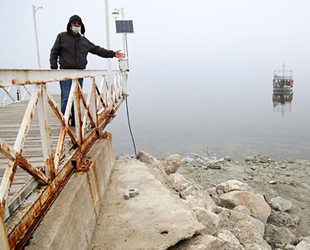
(124, 26)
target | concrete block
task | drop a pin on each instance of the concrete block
(70, 222)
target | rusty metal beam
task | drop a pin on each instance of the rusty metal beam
(16, 77)
(6, 150)
(45, 132)
(6, 182)
(21, 231)
(24, 128)
(60, 117)
(4, 243)
(87, 109)
(77, 106)
(37, 174)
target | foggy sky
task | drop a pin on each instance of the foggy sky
(168, 34)
(182, 54)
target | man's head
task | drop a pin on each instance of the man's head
(75, 22)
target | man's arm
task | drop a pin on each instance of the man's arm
(55, 51)
(97, 50)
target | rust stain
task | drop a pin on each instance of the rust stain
(49, 163)
(37, 174)
(29, 222)
(25, 227)
(97, 182)
(91, 192)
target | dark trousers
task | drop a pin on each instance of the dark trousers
(65, 87)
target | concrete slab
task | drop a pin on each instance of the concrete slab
(154, 219)
(70, 222)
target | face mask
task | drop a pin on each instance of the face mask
(76, 29)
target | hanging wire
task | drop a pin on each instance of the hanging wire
(128, 119)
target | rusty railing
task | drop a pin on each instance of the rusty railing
(98, 109)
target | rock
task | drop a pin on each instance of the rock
(224, 241)
(259, 159)
(280, 204)
(304, 245)
(279, 235)
(227, 158)
(211, 191)
(247, 229)
(305, 239)
(229, 240)
(283, 218)
(279, 246)
(149, 160)
(208, 219)
(190, 190)
(254, 202)
(272, 182)
(289, 247)
(200, 198)
(233, 185)
(210, 242)
(242, 209)
(178, 182)
(256, 247)
(172, 163)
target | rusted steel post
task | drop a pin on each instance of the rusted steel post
(6, 182)
(6, 150)
(77, 110)
(92, 101)
(4, 243)
(45, 132)
(37, 174)
(24, 128)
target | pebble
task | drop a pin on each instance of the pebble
(272, 182)
(215, 167)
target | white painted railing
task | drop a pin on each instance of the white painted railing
(99, 107)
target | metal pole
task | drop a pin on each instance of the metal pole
(124, 35)
(34, 10)
(108, 40)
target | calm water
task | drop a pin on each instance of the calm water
(210, 112)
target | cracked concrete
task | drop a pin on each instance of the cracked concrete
(154, 219)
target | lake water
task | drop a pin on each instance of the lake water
(224, 112)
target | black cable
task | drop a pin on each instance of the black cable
(133, 140)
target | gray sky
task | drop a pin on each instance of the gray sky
(173, 34)
(188, 59)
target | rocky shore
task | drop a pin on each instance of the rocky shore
(254, 204)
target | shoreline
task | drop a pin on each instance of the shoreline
(288, 179)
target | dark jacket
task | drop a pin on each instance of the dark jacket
(72, 51)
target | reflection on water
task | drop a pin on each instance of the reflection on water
(282, 101)
(228, 116)
(282, 90)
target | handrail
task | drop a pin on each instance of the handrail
(99, 108)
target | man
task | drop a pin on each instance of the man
(72, 47)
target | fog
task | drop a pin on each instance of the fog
(200, 75)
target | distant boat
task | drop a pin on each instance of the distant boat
(283, 80)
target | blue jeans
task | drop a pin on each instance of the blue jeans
(65, 87)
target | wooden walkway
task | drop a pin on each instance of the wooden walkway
(11, 118)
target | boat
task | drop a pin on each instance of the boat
(283, 80)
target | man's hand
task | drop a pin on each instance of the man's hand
(119, 54)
